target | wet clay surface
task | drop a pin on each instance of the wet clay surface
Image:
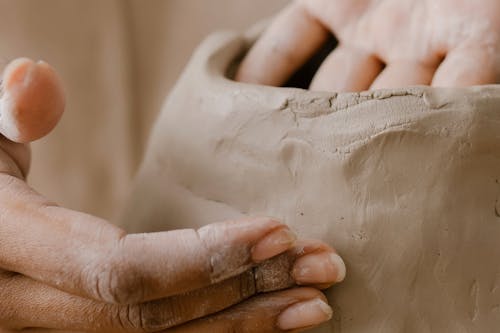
(405, 184)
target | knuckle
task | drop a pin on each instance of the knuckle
(205, 236)
(116, 280)
(222, 261)
(129, 318)
(120, 284)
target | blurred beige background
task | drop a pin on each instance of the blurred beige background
(118, 59)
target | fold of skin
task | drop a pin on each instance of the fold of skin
(405, 183)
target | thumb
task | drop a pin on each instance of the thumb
(32, 100)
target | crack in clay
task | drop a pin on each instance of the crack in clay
(322, 106)
(497, 208)
(497, 202)
(349, 147)
(474, 294)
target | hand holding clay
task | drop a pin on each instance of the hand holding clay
(65, 270)
(382, 44)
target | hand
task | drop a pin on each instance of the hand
(65, 270)
(382, 44)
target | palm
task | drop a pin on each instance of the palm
(383, 43)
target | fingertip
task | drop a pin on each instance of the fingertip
(288, 43)
(32, 101)
(304, 315)
(319, 269)
(274, 243)
(339, 264)
(290, 310)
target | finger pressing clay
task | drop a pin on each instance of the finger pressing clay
(32, 100)
(404, 183)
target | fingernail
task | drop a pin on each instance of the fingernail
(321, 267)
(339, 263)
(15, 72)
(305, 314)
(273, 244)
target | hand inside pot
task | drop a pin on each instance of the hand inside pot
(381, 44)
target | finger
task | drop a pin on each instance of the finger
(290, 310)
(468, 66)
(308, 263)
(317, 264)
(287, 44)
(405, 73)
(32, 101)
(20, 294)
(87, 256)
(347, 69)
(27, 303)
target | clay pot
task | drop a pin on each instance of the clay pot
(404, 183)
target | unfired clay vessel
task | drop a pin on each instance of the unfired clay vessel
(404, 183)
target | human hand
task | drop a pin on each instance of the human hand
(382, 44)
(65, 270)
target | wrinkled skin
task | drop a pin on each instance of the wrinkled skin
(65, 270)
(382, 44)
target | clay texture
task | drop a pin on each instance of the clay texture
(405, 184)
